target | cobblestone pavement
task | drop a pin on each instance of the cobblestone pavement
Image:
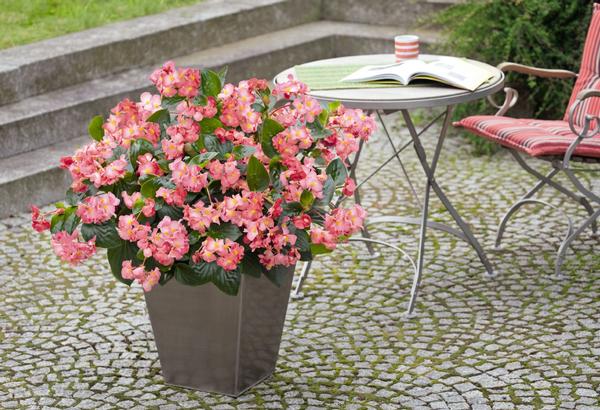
(73, 338)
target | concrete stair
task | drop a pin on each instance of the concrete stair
(36, 131)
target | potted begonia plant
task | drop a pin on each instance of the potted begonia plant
(211, 182)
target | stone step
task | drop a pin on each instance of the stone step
(63, 114)
(407, 14)
(57, 125)
(34, 177)
(59, 62)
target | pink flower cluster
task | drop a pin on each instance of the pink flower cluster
(148, 279)
(70, 249)
(237, 103)
(97, 209)
(38, 221)
(127, 121)
(339, 223)
(91, 164)
(222, 219)
(226, 253)
(171, 81)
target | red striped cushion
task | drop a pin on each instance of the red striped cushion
(589, 71)
(534, 137)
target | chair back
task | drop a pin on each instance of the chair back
(589, 71)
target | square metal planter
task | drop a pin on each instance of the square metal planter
(214, 342)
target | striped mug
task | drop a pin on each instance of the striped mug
(406, 47)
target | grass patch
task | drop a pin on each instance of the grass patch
(23, 22)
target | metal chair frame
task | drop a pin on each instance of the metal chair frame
(583, 196)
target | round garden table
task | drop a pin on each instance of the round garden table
(384, 101)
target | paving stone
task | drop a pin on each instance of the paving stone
(475, 342)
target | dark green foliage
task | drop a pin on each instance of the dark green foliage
(540, 33)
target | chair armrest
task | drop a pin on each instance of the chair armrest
(539, 72)
(591, 123)
(511, 97)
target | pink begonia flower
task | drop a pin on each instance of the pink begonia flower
(38, 222)
(148, 279)
(167, 243)
(174, 197)
(302, 221)
(290, 88)
(345, 222)
(349, 187)
(323, 237)
(69, 249)
(147, 165)
(172, 149)
(148, 208)
(189, 177)
(150, 102)
(97, 209)
(171, 81)
(129, 229)
(307, 108)
(200, 217)
(225, 252)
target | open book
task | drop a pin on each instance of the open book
(453, 71)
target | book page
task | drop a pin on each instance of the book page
(401, 72)
(456, 72)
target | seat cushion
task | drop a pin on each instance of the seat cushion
(589, 72)
(534, 137)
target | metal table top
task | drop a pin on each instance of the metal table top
(402, 97)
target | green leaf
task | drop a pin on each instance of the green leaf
(149, 188)
(317, 130)
(213, 144)
(160, 116)
(168, 102)
(71, 220)
(222, 73)
(209, 125)
(125, 251)
(268, 130)
(186, 275)
(172, 212)
(276, 276)
(302, 240)
(203, 272)
(319, 249)
(250, 264)
(95, 128)
(228, 281)
(323, 117)
(224, 230)
(328, 191)
(106, 234)
(306, 199)
(56, 223)
(211, 83)
(257, 175)
(337, 171)
(333, 106)
(137, 148)
(243, 151)
(203, 158)
(292, 208)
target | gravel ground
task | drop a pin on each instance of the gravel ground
(73, 338)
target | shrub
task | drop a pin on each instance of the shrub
(541, 33)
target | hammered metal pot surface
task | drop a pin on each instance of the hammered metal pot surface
(214, 342)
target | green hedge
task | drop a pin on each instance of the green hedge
(541, 33)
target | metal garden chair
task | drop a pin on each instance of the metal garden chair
(575, 138)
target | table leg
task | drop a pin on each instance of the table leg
(429, 169)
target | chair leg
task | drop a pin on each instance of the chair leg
(524, 200)
(562, 251)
